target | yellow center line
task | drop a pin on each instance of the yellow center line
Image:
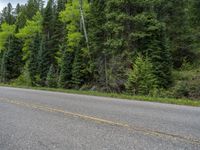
(100, 120)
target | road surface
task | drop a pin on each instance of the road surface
(42, 120)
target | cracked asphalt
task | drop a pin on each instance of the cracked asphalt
(42, 120)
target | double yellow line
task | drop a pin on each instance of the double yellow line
(104, 121)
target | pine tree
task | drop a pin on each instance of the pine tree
(47, 52)
(33, 59)
(141, 79)
(43, 62)
(75, 40)
(65, 77)
(176, 16)
(7, 16)
(7, 41)
(21, 20)
(3, 71)
(59, 35)
(97, 38)
(118, 43)
(160, 57)
(32, 7)
(121, 38)
(40, 46)
(194, 13)
(51, 80)
(77, 67)
(12, 63)
(152, 42)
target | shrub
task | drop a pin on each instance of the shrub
(141, 79)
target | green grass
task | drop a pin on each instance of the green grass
(186, 102)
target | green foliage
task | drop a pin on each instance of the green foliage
(43, 62)
(6, 31)
(33, 59)
(3, 71)
(24, 79)
(141, 79)
(21, 20)
(11, 62)
(71, 15)
(33, 6)
(151, 41)
(59, 35)
(7, 16)
(187, 89)
(187, 83)
(97, 34)
(51, 80)
(77, 70)
(46, 55)
(31, 29)
(66, 70)
(176, 15)
(92, 43)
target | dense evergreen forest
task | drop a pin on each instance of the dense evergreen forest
(140, 47)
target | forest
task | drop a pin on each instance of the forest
(137, 47)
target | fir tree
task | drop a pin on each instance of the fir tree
(77, 70)
(33, 59)
(47, 51)
(59, 35)
(51, 80)
(141, 79)
(43, 62)
(97, 34)
(177, 29)
(32, 7)
(152, 42)
(7, 16)
(12, 60)
(66, 70)
(3, 71)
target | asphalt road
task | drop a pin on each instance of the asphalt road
(41, 120)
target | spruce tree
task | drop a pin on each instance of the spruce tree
(160, 56)
(59, 33)
(33, 59)
(97, 38)
(75, 40)
(32, 7)
(152, 42)
(47, 51)
(65, 78)
(12, 63)
(51, 80)
(43, 62)
(141, 78)
(176, 16)
(77, 70)
(7, 15)
(3, 71)
(194, 13)
(21, 20)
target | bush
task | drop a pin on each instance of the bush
(180, 90)
(187, 89)
(141, 79)
(187, 84)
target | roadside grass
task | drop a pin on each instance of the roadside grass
(186, 102)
